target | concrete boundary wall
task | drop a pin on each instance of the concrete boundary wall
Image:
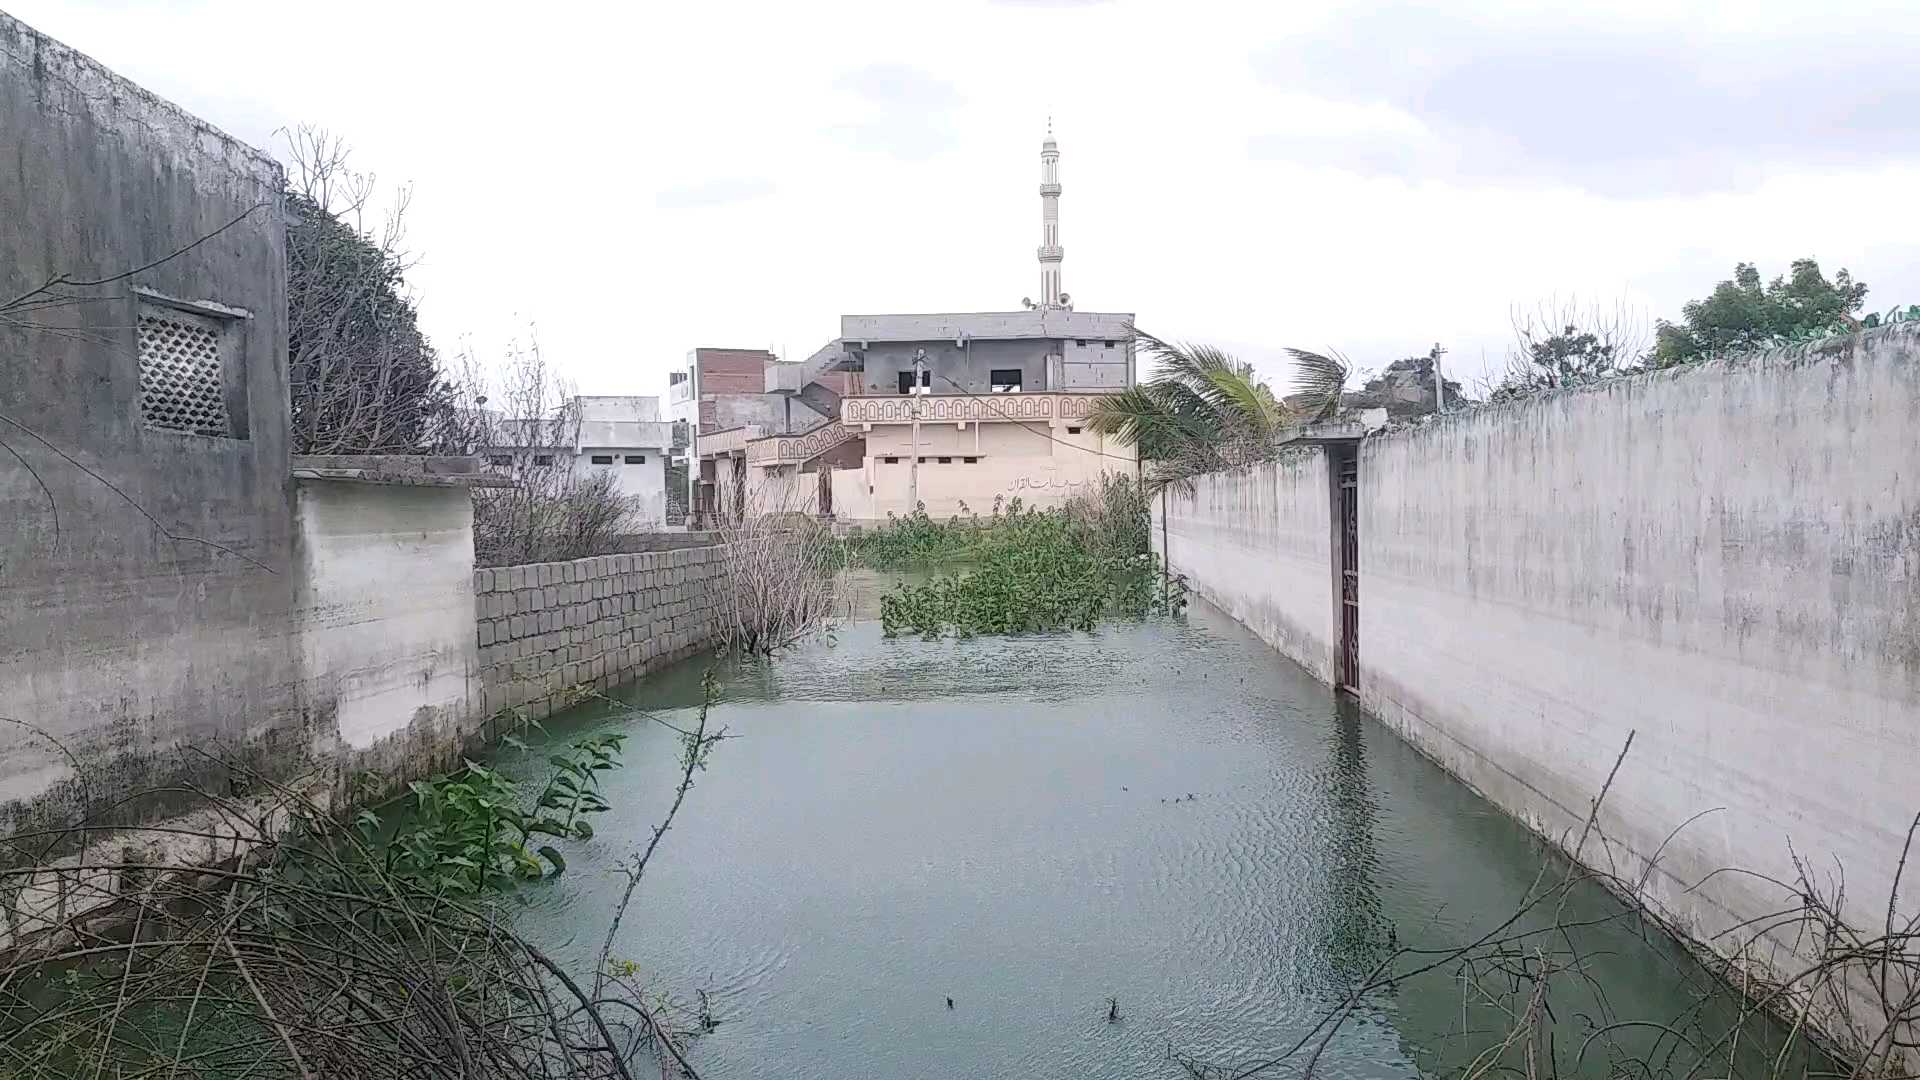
(548, 629)
(1257, 543)
(1722, 559)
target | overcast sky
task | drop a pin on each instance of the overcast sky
(638, 179)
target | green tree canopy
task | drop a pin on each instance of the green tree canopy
(1743, 314)
(1204, 410)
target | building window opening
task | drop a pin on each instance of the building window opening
(970, 460)
(603, 459)
(636, 459)
(1081, 343)
(889, 461)
(925, 461)
(1073, 431)
(183, 372)
(946, 461)
(543, 459)
(1004, 380)
(499, 459)
(906, 381)
(1106, 344)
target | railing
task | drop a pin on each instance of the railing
(729, 441)
(785, 449)
(981, 408)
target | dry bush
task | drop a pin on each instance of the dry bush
(1798, 993)
(527, 431)
(269, 938)
(782, 563)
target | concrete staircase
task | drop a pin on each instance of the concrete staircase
(798, 380)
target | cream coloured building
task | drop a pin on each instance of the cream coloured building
(950, 411)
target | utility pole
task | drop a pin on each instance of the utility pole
(913, 439)
(1439, 381)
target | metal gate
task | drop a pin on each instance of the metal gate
(1349, 476)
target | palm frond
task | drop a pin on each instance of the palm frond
(1318, 380)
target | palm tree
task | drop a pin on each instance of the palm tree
(1203, 410)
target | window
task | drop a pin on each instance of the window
(1082, 344)
(636, 459)
(946, 461)
(970, 460)
(924, 461)
(543, 459)
(890, 461)
(499, 459)
(906, 381)
(603, 459)
(1073, 431)
(183, 371)
(1004, 380)
(1106, 344)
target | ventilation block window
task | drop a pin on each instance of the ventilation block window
(603, 459)
(499, 459)
(906, 381)
(889, 461)
(543, 459)
(1004, 380)
(1073, 431)
(946, 461)
(970, 460)
(636, 459)
(183, 371)
(1082, 343)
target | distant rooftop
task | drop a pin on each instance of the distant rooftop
(1002, 325)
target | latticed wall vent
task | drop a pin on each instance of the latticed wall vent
(183, 360)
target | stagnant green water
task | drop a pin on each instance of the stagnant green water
(1168, 814)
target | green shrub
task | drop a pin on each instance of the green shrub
(1033, 570)
(471, 831)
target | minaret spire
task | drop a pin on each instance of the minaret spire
(1051, 253)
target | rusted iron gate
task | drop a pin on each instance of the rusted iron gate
(1349, 477)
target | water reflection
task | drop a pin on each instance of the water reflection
(1163, 813)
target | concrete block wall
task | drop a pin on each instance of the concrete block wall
(548, 629)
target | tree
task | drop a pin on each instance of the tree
(1564, 344)
(1203, 410)
(363, 379)
(1742, 315)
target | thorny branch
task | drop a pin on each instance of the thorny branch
(1518, 970)
(282, 944)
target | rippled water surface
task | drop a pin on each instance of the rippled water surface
(1166, 813)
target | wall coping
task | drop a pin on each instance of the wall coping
(395, 469)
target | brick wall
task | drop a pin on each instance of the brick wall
(548, 629)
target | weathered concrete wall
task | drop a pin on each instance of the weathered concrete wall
(1257, 543)
(386, 610)
(546, 629)
(124, 642)
(1720, 559)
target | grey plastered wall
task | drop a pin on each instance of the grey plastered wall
(970, 365)
(1257, 543)
(1723, 560)
(123, 643)
(547, 628)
